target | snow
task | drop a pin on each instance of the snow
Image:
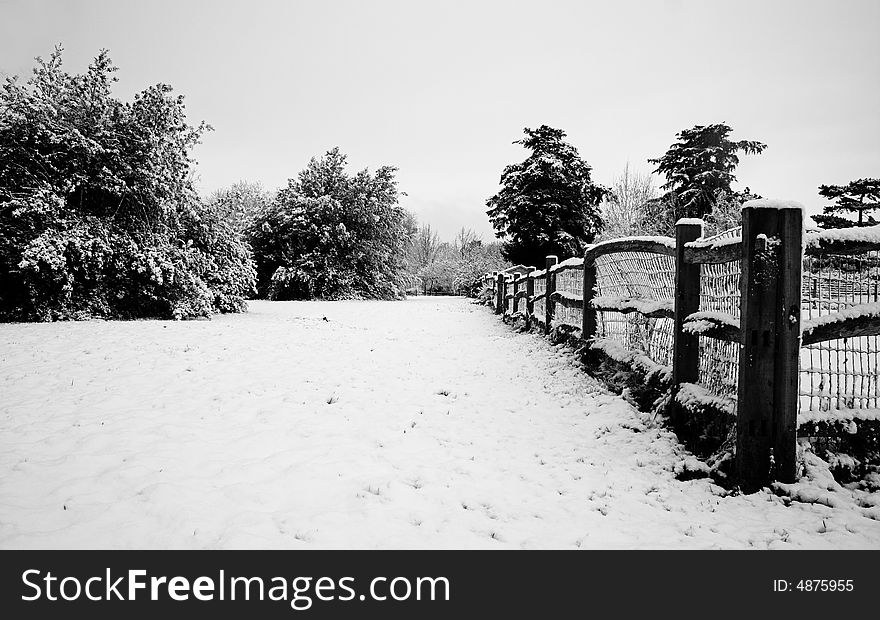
(636, 359)
(700, 322)
(690, 221)
(427, 423)
(838, 416)
(645, 306)
(574, 261)
(853, 312)
(714, 243)
(695, 398)
(538, 273)
(568, 296)
(667, 241)
(773, 203)
(819, 487)
(865, 234)
(698, 327)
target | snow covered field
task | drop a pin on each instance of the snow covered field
(418, 424)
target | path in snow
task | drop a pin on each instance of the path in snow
(426, 423)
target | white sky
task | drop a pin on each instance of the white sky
(441, 89)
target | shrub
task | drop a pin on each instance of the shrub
(98, 216)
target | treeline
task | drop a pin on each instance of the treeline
(332, 236)
(550, 204)
(450, 267)
(99, 216)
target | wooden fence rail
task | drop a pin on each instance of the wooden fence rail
(768, 332)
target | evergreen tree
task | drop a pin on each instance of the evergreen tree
(700, 165)
(861, 197)
(548, 204)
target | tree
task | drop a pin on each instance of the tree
(625, 208)
(548, 204)
(240, 203)
(332, 235)
(423, 250)
(98, 216)
(455, 267)
(477, 259)
(425, 246)
(726, 211)
(700, 165)
(438, 275)
(465, 240)
(860, 196)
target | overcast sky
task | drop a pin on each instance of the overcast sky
(442, 89)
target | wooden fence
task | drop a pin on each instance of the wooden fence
(746, 308)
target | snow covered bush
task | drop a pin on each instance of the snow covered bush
(98, 216)
(625, 209)
(240, 203)
(330, 235)
(726, 212)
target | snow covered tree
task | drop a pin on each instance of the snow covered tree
(240, 203)
(726, 210)
(860, 196)
(422, 252)
(438, 274)
(625, 208)
(465, 239)
(454, 267)
(98, 216)
(476, 260)
(425, 247)
(332, 235)
(700, 165)
(548, 204)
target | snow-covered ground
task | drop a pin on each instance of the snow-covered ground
(418, 424)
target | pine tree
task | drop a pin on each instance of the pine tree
(700, 165)
(860, 196)
(548, 204)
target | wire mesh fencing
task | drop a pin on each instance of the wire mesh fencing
(639, 275)
(840, 374)
(735, 299)
(838, 378)
(569, 281)
(719, 359)
(539, 307)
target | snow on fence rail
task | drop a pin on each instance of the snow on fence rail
(795, 317)
(840, 359)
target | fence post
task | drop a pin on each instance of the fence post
(499, 293)
(550, 289)
(685, 347)
(504, 298)
(516, 279)
(588, 321)
(772, 264)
